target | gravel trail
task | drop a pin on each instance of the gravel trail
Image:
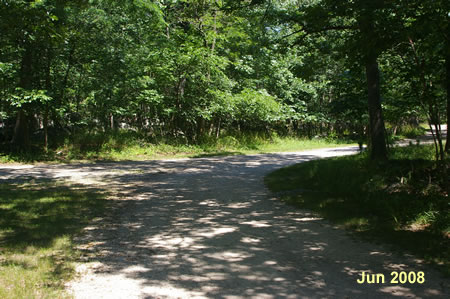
(208, 228)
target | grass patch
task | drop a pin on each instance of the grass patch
(126, 145)
(37, 222)
(412, 131)
(404, 202)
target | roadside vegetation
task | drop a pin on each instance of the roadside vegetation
(137, 80)
(126, 145)
(403, 202)
(37, 223)
(74, 74)
(406, 131)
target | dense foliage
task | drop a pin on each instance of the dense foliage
(187, 69)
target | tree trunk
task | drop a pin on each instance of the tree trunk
(21, 137)
(46, 128)
(66, 75)
(376, 123)
(429, 102)
(447, 68)
(111, 122)
(201, 124)
(48, 86)
(213, 45)
(371, 50)
(218, 129)
(179, 122)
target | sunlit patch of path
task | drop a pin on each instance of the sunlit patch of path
(208, 228)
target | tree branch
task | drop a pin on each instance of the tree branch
(324, 29)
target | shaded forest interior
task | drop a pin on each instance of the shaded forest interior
(192, 71)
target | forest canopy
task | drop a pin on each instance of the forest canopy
(193, 68)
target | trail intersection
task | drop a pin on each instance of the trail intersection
(208, 228)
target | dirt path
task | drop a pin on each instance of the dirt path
(208, 228)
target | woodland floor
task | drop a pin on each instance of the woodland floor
(208, 228)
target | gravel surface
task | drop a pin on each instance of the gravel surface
(208, 228)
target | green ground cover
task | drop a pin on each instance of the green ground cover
(37, 223)
(403, 202)
(131, 146)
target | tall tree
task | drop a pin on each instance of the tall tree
(372, 28)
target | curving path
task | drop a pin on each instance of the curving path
(208, 228)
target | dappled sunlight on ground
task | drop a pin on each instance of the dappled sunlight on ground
(208, 228)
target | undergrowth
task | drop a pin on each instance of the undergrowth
(129, 145)
(37, 222)
(403, 202)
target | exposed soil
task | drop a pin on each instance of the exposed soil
(208, 228)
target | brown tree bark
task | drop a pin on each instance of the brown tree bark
(48, 86)
(447, 68)
(376, 123)
(371, 51)
(21, 137)
(45, 121)
(429, 104)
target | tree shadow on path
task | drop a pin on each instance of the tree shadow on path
(209, 228)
